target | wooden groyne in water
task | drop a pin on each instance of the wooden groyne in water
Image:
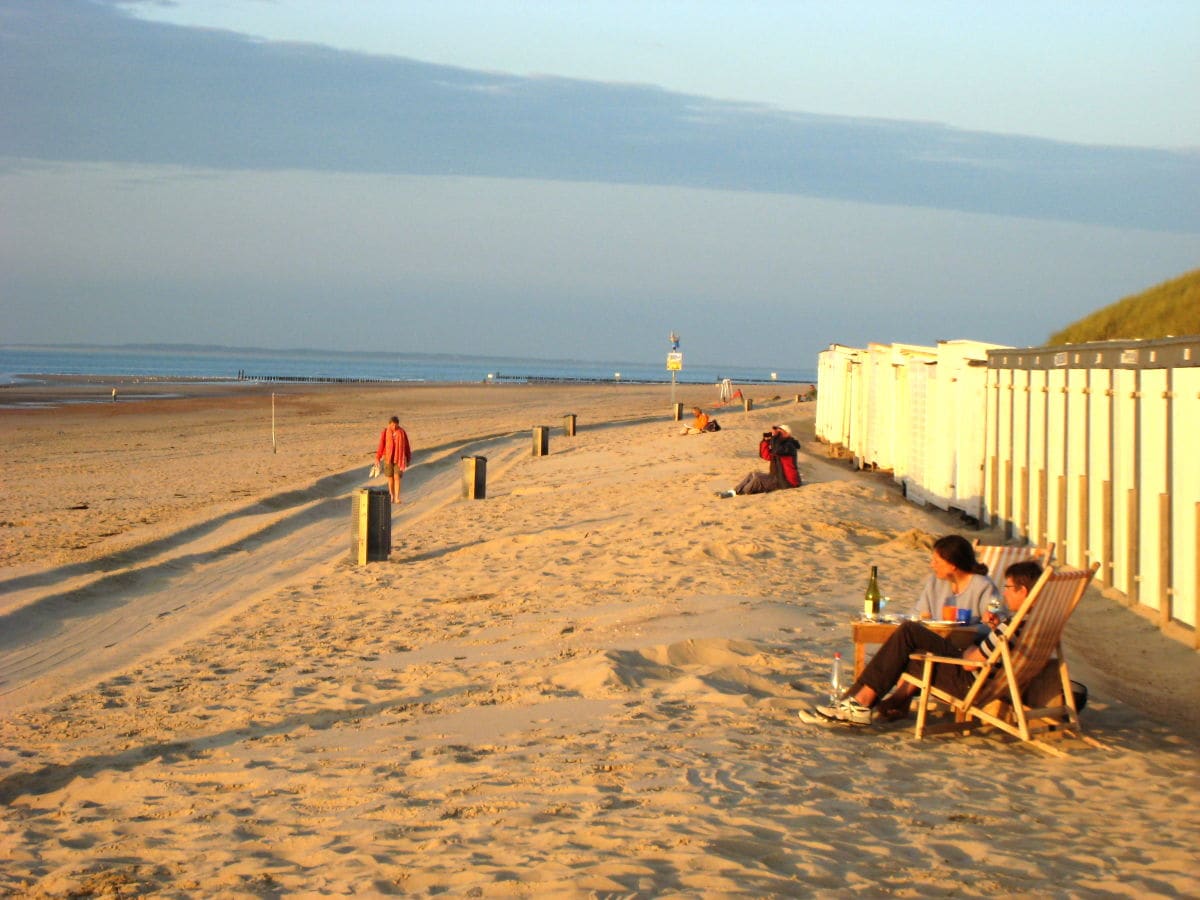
(320, 379)
(494, 378)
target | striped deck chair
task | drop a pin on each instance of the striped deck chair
(999, 557)
(1032, 640)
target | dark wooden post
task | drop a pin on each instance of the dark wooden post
(569, 424)
(541, 440)
(371, 525)
(474, 477)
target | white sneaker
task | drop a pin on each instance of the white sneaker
(846, 710)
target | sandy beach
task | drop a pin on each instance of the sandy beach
(577, 687)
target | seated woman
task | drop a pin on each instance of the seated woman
(894, 658)
(958, 580)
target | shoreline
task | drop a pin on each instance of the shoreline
(53, 391)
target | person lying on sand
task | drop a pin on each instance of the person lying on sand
(779, 448)
(869, 696)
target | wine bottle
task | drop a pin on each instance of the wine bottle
(872, 598)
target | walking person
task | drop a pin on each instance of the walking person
(393, 455)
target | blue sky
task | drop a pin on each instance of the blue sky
(579, 179)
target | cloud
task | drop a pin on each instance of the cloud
(86, 82)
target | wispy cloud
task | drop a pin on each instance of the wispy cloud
(85, 82)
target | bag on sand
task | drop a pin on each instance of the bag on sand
(1046, 690)
(713, 425)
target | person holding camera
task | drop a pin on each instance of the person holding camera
(779, 448)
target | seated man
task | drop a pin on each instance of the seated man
(699, 423)
(779, 448)
(883, 672)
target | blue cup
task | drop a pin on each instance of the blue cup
(962, 616)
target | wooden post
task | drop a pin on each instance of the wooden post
(1132, 536)
(747, 404)
(1041, 523)
(1008, 499)
(678, 412)
(1196, 586)
(569, 424)
(362, 528)
(1084, 526)
(474, 477)
(541, 440)
(370, 525)
(1164, 561)
(1061, 531)
(1024, 529)
(1106, 536)
(994, 493)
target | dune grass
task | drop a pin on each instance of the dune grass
(1170, 309)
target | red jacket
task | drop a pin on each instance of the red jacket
(394, 448)
(781, 452)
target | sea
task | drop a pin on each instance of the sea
(25, 363)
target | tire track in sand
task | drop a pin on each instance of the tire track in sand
(68, 627)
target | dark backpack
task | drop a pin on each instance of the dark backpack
(713, 425)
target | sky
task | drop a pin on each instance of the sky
(578, 180)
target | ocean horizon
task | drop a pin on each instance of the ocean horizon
(26, 363)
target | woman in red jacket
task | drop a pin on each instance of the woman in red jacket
(394, 454)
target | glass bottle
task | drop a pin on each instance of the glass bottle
(835, 680)
(872, 598)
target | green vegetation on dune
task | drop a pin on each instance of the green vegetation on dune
(1165, 310)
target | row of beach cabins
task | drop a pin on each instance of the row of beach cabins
(1091, 446)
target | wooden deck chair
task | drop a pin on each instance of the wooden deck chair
(998, 558)
(1032, 640)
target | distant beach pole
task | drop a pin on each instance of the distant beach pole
(674, 361)
(274, 446)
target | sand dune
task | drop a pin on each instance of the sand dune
(576, 687)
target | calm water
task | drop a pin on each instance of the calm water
(210, 363)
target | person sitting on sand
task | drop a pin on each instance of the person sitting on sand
(699, 423)
(394, 453)
(958, 580)
(869, 693)
(779, 448)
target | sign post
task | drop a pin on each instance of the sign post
(674, 362)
